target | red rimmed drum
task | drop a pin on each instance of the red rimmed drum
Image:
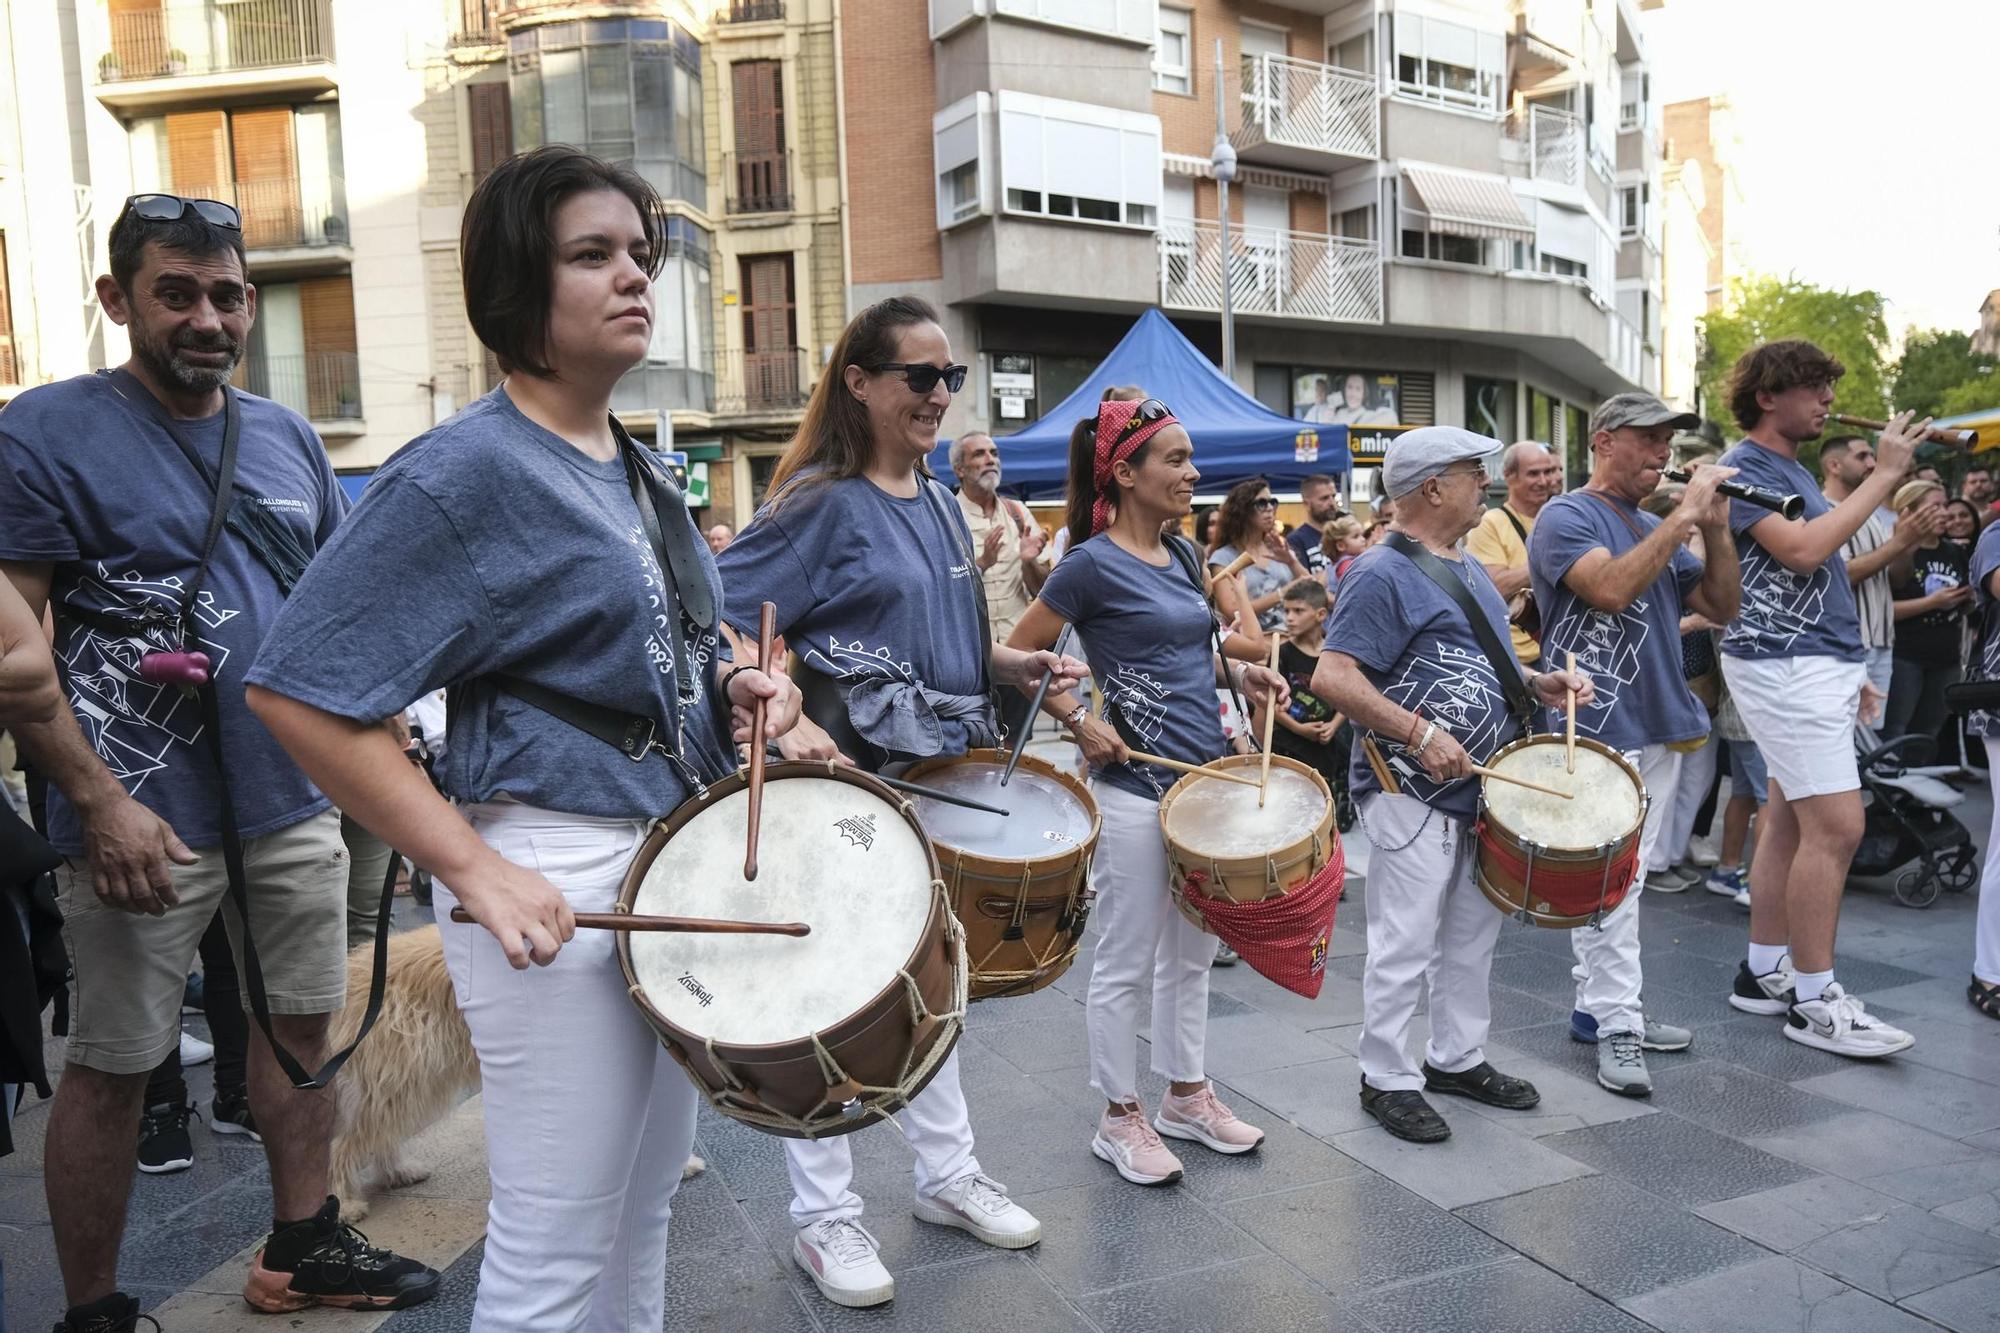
(1554, 862)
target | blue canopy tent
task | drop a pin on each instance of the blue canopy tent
(1235, 436)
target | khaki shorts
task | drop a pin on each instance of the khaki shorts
(128, 970)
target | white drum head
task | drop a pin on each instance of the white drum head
(1219, 820)
(831, 854)
(1604, 810)
(1046, 820)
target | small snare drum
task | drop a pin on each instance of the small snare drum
(1222, 844)
(1555, 862)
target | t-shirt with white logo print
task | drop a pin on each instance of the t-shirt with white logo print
(1786, 614)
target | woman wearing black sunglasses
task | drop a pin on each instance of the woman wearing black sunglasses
(870, 565)
(1248, 522)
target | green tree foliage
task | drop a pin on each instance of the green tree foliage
(1973, 395)
(1939, 375)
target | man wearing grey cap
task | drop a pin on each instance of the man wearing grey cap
(1613, 582)
(1403, 661)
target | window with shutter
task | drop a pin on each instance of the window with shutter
(267, 175)
(770, 359)
(198, 155)
(492, 127)
(762, 183)
(333, 381)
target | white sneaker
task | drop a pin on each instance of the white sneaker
(844, 1262)
(1769, 994)
(979, 1206)
(195, 1051)
(1704, 851)
(1840, 1023)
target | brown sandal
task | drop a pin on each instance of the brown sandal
(1985, 998)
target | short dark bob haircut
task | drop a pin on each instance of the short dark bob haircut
(1774, 368)
(192, 235)
(507, 245)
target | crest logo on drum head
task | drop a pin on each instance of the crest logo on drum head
(859, 830)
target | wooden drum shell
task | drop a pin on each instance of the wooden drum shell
(1248, 879)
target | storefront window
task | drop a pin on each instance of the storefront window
(1490, 408)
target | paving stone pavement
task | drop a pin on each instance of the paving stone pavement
(1763, 1187)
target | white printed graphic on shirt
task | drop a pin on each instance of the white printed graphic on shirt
(1778, 605)
(1457, 690)
(1141, 701)
(1607, 646)
(660, 636)
(131, 723)
(843, 661)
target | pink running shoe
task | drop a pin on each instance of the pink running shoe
(1202, 1117)
(1134, 1150)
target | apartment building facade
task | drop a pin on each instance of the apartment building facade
(1443, 210)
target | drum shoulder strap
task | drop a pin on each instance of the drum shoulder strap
(1499, 655)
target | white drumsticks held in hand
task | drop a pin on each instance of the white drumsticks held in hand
(1270, 719)
(1569, 740)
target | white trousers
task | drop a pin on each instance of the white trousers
(1986, 947)
(1428, 926)
(1140, 933)
(937, 1127)
(1683, 797)
(1607, 971)
(588, 1120)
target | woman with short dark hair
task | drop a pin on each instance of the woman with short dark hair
(547, 572)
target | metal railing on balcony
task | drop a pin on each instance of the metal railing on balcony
(1306, 275)
(478, 24)
(1304, 104)
(775, 380)
(1553, 139)
(323, 386)
(758, 182)
(751, 11)
(202, 37)
(283, 211)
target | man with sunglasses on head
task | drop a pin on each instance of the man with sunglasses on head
(108, 497)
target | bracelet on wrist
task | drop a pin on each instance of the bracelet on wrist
(1075, 716)
(1430, 733)
(733, 673)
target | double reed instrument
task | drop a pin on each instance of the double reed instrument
(1791, 506)
(1964, 439)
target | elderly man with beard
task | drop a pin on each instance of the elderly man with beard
(108, 487)
(1009, 545)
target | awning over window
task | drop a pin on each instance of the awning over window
(1463, 203)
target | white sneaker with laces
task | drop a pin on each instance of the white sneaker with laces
(844, 1261)
(1840, 1023)
(195, 1051)
(979, 1206)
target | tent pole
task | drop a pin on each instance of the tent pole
(1223, 160)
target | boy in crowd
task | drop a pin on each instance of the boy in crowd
(1309, 730)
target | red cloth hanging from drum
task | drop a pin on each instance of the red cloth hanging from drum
(1285, 938)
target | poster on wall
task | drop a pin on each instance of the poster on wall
(1346, 398)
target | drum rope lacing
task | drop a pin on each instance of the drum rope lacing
(1060, 951)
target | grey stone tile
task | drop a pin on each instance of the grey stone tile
(1113, 1233)
(1479, 1161)
(1968, 1051)
(1261, 1295)
(1932, 1186)
(992, 1291)
(1981, 1212)
(1733, 1101)
(707, 1217)
(1610, 1237)
(1969, 1305)
(1677, 1159)
(1359, 1232)
(1322, 1098)
(1039, 1044)
(1686, 974)
(749, 1162)
(1794, 1215)
(1902, 1254)
(1552, 1044)
(175, 1255)
(1772, 1295)
(1937, 999)
(1535, 972)
(1721, 941)
(1571, 1098)
(1944, 1102)
(1513, 1296)
(1002, 1010)
(1758, 1043)
(1246, 1043)
(744, 1290)
(1870, 978)
(1862, 1144)
(1514, 1009)
(1288, 1157)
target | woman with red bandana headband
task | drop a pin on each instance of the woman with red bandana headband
(1137, 601)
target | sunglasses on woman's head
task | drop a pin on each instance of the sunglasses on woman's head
(922, 378)
(1148, 410)
(172, 208)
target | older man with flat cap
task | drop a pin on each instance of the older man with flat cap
(1613, 582)
(1417, 655)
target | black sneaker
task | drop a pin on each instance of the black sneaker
(116, 1313)
(229, 1113)
(164, 1145)
(1405, 1114)
(1484, 1083)
(323, 1261)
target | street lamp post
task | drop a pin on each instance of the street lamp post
(1222, 159)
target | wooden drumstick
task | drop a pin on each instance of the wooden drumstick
(1232, 569)
(767, 623)
(1180, 767)
(1383, 773)
(1498, 776)
(1569, 740)
(1270, 720)
(693, 925)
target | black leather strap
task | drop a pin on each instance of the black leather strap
(1498, 654)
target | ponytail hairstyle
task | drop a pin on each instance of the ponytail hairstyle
(834, 440)
(1082, 482)
(1096, 445)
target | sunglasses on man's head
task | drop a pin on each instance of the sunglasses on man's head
(923, 378)
(172, 208)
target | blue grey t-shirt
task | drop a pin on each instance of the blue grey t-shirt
(1985, 658)
(92, 484)
(1261, 577)
(1147, 632)
(489, 544)
(869, 587)
(1415, 646)
(1633, 657)
(1786, 614)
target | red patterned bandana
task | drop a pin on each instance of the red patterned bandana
(1114, 442)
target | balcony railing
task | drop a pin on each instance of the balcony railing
(478, 24)
(1304, 104)
(1553, 140)
(776, 380)
(758, 182)
(217, 37)
(751, 11)
(324, 386)
(277, 213)
(1304, 275)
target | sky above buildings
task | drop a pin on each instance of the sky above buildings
(1870, 141)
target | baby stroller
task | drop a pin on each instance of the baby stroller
(1908, 817)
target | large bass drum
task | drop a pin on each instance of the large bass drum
(803, 1037)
